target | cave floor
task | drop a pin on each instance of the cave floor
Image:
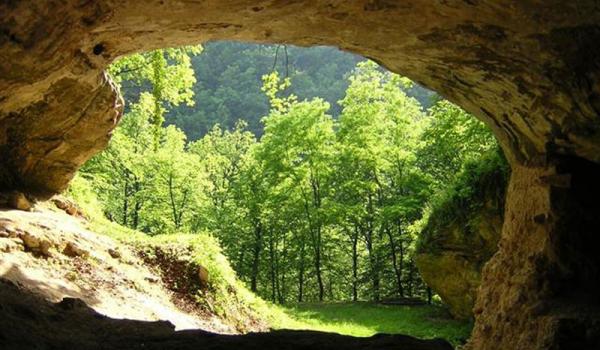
(28, 321)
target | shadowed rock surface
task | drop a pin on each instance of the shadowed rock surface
(29, 322)
(530, 69)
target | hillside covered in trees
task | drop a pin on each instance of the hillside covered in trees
(229, 79)
(314, 169)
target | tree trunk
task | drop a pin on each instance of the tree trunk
(401, 262)
(282, 286)
(316, 231)
(125, 202)
(355, 267)
(373, 263)
(256, 255)
(240, 262)
(397, 269)
(301, 272)
(371, 251)
(410, 278)
(318, 265)
(138, 205)
(272, 264)
(172, 198)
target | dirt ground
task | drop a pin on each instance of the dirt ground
(29, 322)
(51, 254)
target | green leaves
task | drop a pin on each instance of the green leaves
(273, 86)
(165, 78)
(451, 137)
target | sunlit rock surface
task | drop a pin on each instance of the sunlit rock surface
(528, 69)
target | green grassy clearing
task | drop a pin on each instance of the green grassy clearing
(365, 319)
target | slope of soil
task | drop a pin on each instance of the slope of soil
(51, 254)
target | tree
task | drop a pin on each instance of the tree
(450, 138)
(126, 176)
(377, 137)
(166, 74)
(297, 149)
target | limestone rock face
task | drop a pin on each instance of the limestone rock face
(455, 271)
(540, 290)
(454, 278)
(18, 200)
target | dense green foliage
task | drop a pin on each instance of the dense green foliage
(229, 299)
(323, 206)
(229, 83)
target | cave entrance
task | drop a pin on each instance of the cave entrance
(530, 73)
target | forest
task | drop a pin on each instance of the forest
(316, 170)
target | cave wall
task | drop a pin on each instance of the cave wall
(529, 69)
(542, 288)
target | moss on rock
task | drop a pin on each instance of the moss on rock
(461, 232)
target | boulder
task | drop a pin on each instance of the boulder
(68, 206)
(73, 250)
(114, 253)
(461, 234)
(36, 242)
(18, 200)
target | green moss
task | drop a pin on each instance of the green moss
(453, 218)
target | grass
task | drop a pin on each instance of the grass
(365, 319)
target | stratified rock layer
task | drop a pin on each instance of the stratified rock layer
(529, 69)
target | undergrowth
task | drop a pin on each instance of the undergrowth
(225, 295)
